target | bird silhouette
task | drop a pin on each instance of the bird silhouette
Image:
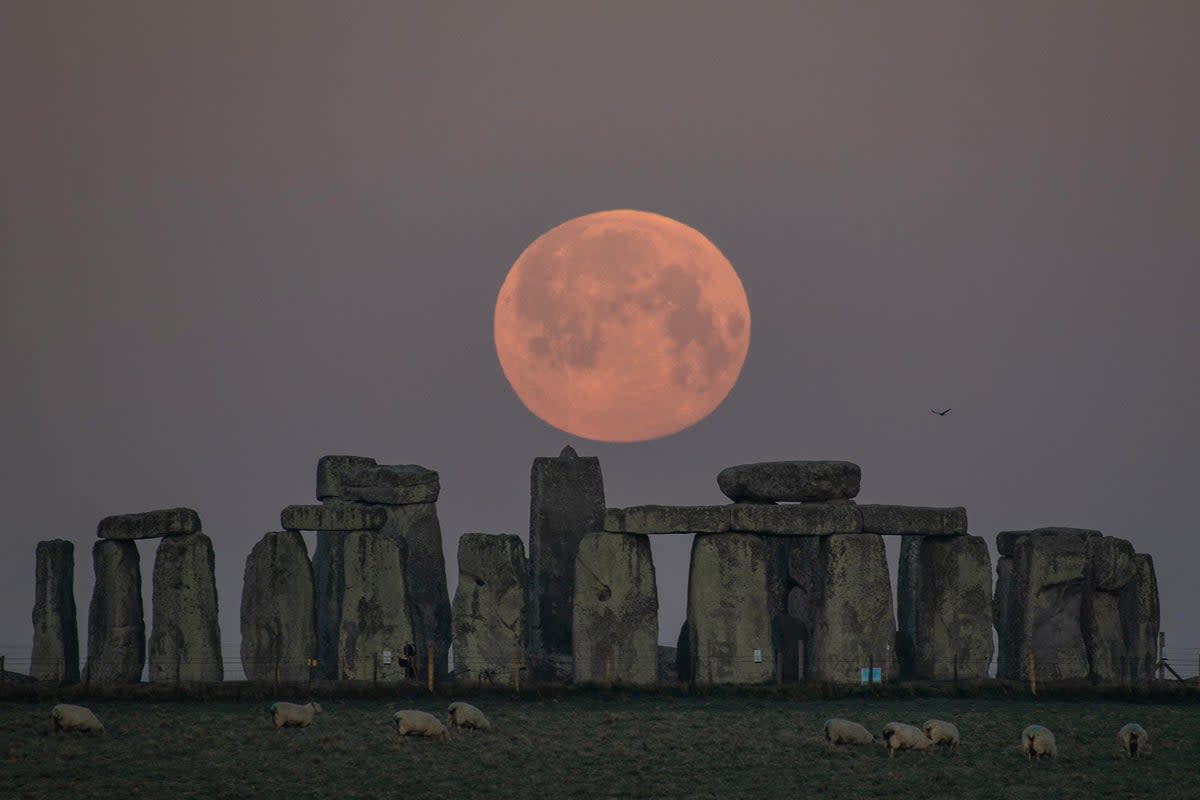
(940, 413)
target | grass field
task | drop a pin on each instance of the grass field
(596, 746)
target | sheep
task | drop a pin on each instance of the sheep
(292, 715)
(942, 732)
(898, 736)
(1038, 741)
(1133, 740)
(418, 723)
(843, 731)
(465, 715)
(75, 718)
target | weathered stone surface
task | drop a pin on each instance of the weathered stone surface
(55, 655)
(668, 519)
(615, 610)
(566, 503)
(1048, 583)
(944, 601)
(668, 657)
(116, 622)
(1006, 540)
(683, 654)
(364, 480)
(150, 524)
(185, 640)
(341, 517)
(377, 615)
(1112, 563)
(845, 603)
(417, 524)
(278, 616)
(491, 610)
(1111, 567)
(1140, 617)
(807, 519)
(1001, 613)
(729, 625)
(790, 481)
(913, 520)
(329, 574)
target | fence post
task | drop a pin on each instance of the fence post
(1162, 653)
(1032, 673)
(277, 673)
(429, 670)
(516, 672)
(608, 669)
(800, 672)
(310, 672)
(871, 668)
(375, 670)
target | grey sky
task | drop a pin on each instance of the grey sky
(237, 236)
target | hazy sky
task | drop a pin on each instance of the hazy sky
(237, 236)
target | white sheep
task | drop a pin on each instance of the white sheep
(418, 723)
(942, 732)
(1038, 741)
(899, 736)
(843, 731)
(75, 718)
(1133, 740)
(293, 715)
(465, 715)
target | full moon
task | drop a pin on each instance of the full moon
(622, 326)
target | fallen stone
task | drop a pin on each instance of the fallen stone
(615, 610)
(185, 640)
(342, 517)
(55, 656)
(566, 503)
(729, 626)
(846, 608)
(1140, 618)
(417, 524)
(913, 520)
(150, 524)
(944, 600)
(278, 617)
(491, 610)
(790, 481)
(807, 519)
(668, 519)
(116, 623)
(377, 616)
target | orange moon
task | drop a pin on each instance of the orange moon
(622, 326)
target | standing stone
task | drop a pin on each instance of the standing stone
(329, 568)
(566, 502)
(377, 614)
(55, 633)
(278, 618)
(1111, 568)
(845, 603)
(728, 615)
(683, 654)
(116, 625)
(1140, 617)
(491, 610)
(1042, 604)
(615, 610)
(417, 525)
(1000, 615)
(944, 600)
(185, 641)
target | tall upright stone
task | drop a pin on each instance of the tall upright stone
(278, 616)
(185, 640)
(329, 576)
(377, 613)
(491, 608)
(116, 622)
(566, 503)
(1140, 617)
(944, 600)
(728, 616)
(55, 631)
(614, 630)
(417, 525)
(1111, 568)
(844, 601)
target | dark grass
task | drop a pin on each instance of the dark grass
(597, 745)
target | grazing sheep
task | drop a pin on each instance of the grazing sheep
(1134, 740)
(942, 732)
(418, 723)
(75, 718)
(292, 715)
(465, 715)
(1038, 741)
(843, 731)
(898, 736)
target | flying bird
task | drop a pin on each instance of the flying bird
(940, 413)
